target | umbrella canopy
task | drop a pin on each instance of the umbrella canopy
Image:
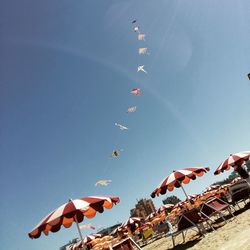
(232, 160)
(80, 244)
(76, 246)
(144, 227)
(235, 180)
(131, 221)
(177, 178)
(157, 220)
(211, 188)
(164, 207)
(150, 216)
(117, 230)
(192, 197)
(91, 237)
(180, 204)
(74, 210)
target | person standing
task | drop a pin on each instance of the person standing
(238, 167)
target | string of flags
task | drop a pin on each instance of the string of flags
(142, 51)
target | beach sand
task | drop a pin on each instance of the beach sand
(235, 235)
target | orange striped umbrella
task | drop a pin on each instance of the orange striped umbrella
(72, 211)
(232, 160)
(177, 178)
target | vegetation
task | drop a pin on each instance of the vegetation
(171, 200)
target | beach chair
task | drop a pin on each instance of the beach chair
(190, 219)
(215, 207)
(240, 191)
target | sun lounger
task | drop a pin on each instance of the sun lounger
(215, 206)
(190, 219)
(239, 192)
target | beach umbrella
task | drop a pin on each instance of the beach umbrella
(72, 211)
(76, 246)
(205, 196)
(235, 180)
(117, 230)
(131, 221)
(232, 160)
(91, 237)
(164, 207)
(223, 188)
(149, 224)
(158, 219)
(144, 227)
(177, 178)
(150, 216)
(80, 244)
(180, 204)
(211, 188)
(192, 197)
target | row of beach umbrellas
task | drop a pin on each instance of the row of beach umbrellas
(75, 210)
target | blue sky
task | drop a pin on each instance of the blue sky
(66, 72)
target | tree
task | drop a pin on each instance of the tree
(171, 200)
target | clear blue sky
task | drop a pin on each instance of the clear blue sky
(66, 72)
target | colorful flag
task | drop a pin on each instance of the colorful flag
(142, 51)
(89, 226)
(136, 91)
(103, 182)
(131, 109)
(136, 29)
(141, 68)
(121, 127)
(141, 37)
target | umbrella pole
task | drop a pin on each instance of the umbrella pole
(79, 231)
(185, 194)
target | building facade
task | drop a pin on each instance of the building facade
(143, 208)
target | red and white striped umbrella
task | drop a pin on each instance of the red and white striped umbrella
(177, 178)
(232, 160)
(117, 230)
(76, 246)
(211, 188)
(180, 204)
(72, 211)
(91, 237)
(164, 208)
(131, 221)
(80, 244)
(225, 186)
(144, 226)
(235, 180)
(192, 197)
(150, 216)
(189, 198)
